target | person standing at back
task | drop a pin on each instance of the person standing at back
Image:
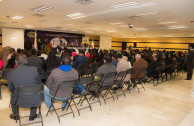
(190, 63)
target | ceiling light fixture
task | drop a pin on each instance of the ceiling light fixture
(111, 31)
(69, 24)
(28, 26)
(17, 17)
(147, 14)
(170, 22)
(177, 27)
(126, 4)
(74, 15)
(41, 8)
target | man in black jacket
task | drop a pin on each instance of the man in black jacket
(190, 62)
(82, 59)
(23, 75)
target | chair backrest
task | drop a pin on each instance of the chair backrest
(86, 80)
(108, 79)
(29, 96)
(142, 71)
(81, 69)
(32, 89)
(66, 85)
(121, 75)
(129, 71)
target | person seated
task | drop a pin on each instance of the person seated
(114, 60)
(152, 65)
(123, 65)
(137, 66)
(52, 61)
(107, 67)
(22, 75)
(81, 59)
(34, 60)
(63, 73)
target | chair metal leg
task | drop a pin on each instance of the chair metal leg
(76, 107)
(40, 115)
(88, 103)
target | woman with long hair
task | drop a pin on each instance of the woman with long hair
(5, 55)
(52, 60)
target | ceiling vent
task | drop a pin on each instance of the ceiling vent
(84, 2)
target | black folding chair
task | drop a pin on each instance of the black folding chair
(23, 93)
(138, 80)
(106, 85)
(94, 87)
(82, 69)
(65, 85)
(86, 81)
(119, 83)
(158, 75)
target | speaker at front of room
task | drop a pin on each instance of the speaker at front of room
(124, 45)
(135, 44)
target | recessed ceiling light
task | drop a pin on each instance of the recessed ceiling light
(117, 23)
(41, 8)
(111, 31)
(79, 17)
(126, 4)
(28, 26)
(89, 31)
(73, 30)
(64, 29)
(74, 15)
(147, 14)
(17, 17)
(177, 27)
(170, 22)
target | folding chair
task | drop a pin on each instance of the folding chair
(138, 80)
(157, 75)
(94, 87)
(83, 96)
(23, 94)
(106, 85)
(119, 83)
(82, 69)
(65, 85)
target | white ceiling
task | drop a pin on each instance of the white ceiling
(99, 15)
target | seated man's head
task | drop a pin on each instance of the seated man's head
(107, 58)
(21, 59)
(66, 60)
(119, 56)
(137, 57)
(155, 57)
(81, 52)
(33, 52)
